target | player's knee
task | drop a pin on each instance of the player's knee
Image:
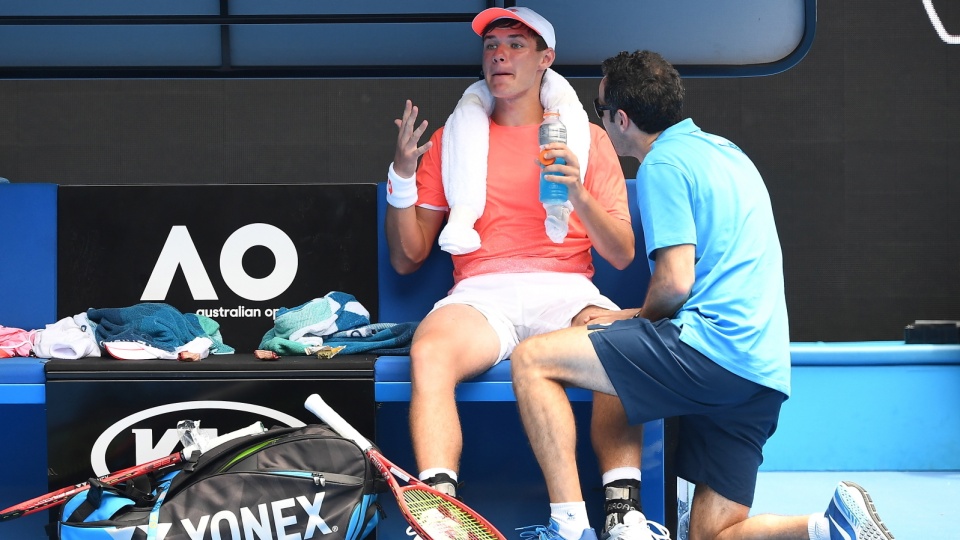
(525, 359)
(431, 364)
(420, 351)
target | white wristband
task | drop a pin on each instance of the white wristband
(401, 192)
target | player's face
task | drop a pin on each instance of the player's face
(512, 63)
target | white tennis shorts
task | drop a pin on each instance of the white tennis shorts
(520, 305)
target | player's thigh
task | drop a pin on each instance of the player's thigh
(454, 341)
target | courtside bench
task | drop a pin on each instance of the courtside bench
(869, 406)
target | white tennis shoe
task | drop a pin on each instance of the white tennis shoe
(635, 526)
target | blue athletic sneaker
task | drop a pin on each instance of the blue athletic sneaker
(853, 516)
(551, 532)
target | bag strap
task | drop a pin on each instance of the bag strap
(377, 485)
(137, 490)
(154, 521)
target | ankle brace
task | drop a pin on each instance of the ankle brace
(443, 483)
(621, 496)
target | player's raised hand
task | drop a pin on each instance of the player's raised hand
(409, 148)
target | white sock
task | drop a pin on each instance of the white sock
(571, 517)
(818, 527)
(620, 473)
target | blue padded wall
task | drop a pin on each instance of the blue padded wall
(28, 290)
(28, 273)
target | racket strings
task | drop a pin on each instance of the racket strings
(441, 519)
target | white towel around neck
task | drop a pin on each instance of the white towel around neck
(466, 142)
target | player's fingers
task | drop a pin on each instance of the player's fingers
(421, 129)
(407, 119)
(423, 149)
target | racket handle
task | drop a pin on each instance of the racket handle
(324, 412)
(203, 446)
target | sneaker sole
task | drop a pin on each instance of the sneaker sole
(880, 528)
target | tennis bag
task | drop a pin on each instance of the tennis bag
(291, 483)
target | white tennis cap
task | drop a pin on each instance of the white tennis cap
(525, 15)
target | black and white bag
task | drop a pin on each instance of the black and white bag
(284, 483)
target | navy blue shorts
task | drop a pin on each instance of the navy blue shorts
(724, 419)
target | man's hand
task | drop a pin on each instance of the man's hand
(408, 139)
(596, 315)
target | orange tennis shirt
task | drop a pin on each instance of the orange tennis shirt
(511, 229)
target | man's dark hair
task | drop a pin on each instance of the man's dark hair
(646, 87)
(513, 23)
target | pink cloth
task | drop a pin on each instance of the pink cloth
(15, 342)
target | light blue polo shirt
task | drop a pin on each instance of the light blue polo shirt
(697, 188)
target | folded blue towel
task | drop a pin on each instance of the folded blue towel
(381, 338)
(158, 325)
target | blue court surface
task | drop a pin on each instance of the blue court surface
(914, 505)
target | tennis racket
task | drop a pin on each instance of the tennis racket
(434, 515)
(56, 498)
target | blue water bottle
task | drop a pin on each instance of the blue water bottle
(553, 195)
(551, 130)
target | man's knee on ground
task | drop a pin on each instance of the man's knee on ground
(712, 514)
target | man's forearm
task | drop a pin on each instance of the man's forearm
(663, 300)
(612, 237)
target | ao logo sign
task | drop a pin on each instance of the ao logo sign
(179, 250)
(947, 37)
(147, 450)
